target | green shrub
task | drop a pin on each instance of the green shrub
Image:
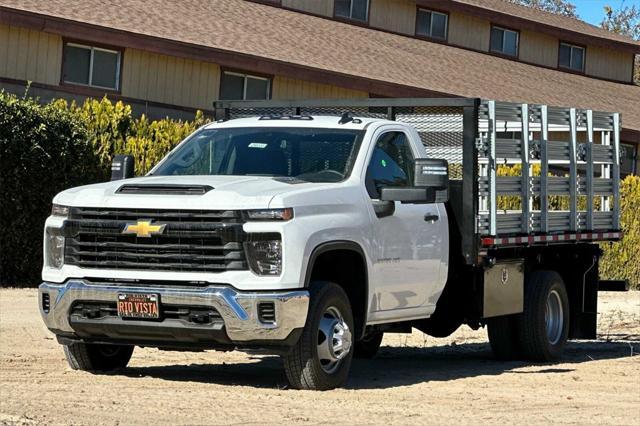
(152, 140)
(48, 148)
(621, 260)
(112, 129)
(44, 149)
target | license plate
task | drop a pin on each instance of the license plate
(140, 306)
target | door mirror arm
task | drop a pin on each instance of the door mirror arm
(383, 208)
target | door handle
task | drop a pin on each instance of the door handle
(429, 217)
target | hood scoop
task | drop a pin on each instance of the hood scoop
(164, 189)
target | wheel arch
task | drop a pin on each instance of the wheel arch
(334, 252)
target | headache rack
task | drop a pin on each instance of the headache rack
(520, 174)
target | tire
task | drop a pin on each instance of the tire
(503, 337)
(545, 296)
(310, 367)
(367, 348)
(96, 357)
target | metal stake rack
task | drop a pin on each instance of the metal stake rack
(562, 139)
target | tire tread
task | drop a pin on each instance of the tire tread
(531, 325)
(299, 363)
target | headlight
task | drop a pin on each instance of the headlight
(55, 248)
(58, 210)
(265, 257)
(270, 214)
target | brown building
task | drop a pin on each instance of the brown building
(171, 58)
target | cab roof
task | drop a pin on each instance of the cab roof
(315, 121)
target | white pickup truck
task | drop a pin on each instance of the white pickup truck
(310, 228)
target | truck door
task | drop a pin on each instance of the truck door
(410, 242)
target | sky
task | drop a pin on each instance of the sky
(592, 11)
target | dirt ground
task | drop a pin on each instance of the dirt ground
(414, 380)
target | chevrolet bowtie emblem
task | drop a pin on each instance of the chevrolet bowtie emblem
(144, 228)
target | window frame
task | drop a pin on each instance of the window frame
(584, 57)
(378, 136)
(431, 37)
(92, 47)
(245, 75)
(350, 18)
(633, 158)
(350, 165)
(504, 30)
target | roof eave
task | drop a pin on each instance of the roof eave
(501, 18)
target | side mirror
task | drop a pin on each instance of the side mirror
(122, 167)
(430, 184)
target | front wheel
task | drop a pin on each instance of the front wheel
(322, 357)
(97, 357)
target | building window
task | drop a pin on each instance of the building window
(571, 57)
(628, 158)
(504, 41)
(358, 10)
(238, 87)
(432, 24)
(91, 66)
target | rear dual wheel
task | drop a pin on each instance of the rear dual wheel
(368, 346)
(540, 332)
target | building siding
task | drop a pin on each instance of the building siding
(608, 63)
(470, 32)
(539, 49)
(319, 7)
(169, 80)
(288, 88)
(393, 15)
(30, 55)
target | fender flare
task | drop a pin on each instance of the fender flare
(331, 246)
(342, 245)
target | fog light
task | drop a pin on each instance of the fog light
(265, 257)
(46, 303)
(55, 248)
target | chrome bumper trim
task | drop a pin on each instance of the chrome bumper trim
(238, 309)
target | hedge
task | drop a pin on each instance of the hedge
(621, 260)
(44, 150)
(112, 129)
(47, 148)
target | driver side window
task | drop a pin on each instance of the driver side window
(390, 165)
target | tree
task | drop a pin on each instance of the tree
(625, 21)
(559, 7)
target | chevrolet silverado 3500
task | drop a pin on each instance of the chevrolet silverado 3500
(310, 228)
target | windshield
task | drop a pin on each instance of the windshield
(314, 155)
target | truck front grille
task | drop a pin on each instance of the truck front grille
(189, 241)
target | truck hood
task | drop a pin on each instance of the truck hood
(229, 192)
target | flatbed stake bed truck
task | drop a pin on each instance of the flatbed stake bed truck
(311, 228)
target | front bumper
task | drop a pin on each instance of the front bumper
(238, 310)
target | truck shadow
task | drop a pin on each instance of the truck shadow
(406, 366)
(394, 366)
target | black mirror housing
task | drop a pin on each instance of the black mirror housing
(122, 167)
(431, 173)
